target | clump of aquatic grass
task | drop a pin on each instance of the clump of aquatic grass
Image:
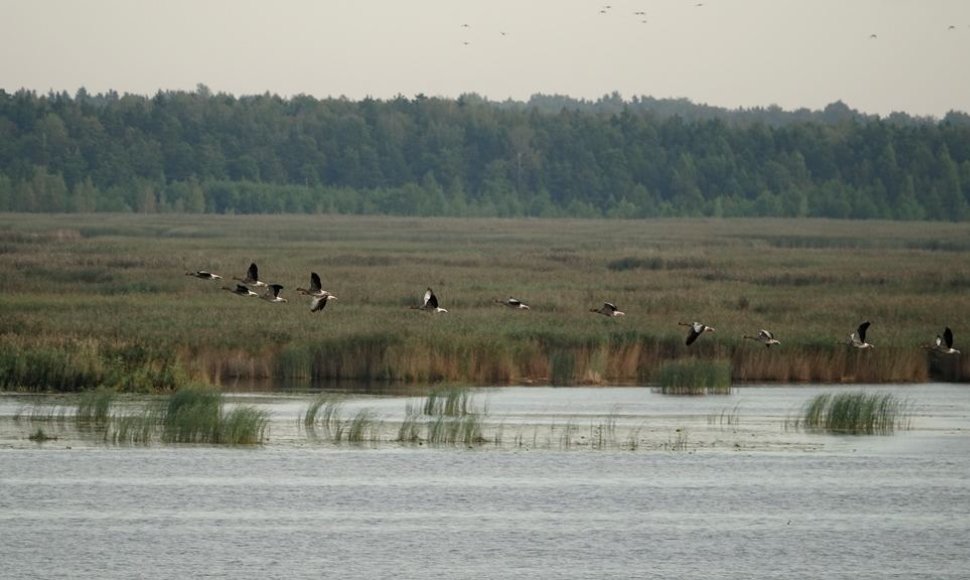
(454, 420)
(464, 430)
(363, 427)
(243, 425)
(695, 377)
(132, 428)
(447, 402)
(191, 415)
(856, 413)
(94, 407)
(324, 412)
(195, 415)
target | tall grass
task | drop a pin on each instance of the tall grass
(94, 407)
(695, 377)
(192, 415)
(196, 415)
(451, 402)
(109, 306)
(856, 413)
(323, 412)
(243, 425)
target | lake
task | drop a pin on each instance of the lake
(570, 483)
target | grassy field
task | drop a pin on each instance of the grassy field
(92, 300)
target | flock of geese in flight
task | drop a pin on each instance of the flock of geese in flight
(320, 297)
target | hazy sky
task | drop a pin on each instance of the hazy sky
(732, 53)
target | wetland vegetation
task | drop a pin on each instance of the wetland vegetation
(90, 301)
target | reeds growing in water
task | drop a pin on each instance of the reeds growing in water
(855, 413)
(695, 377)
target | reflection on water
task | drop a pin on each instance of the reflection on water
(744, 497)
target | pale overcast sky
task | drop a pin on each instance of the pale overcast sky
(731, 53)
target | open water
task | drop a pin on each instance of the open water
(703, 487)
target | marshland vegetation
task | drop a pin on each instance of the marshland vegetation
(855, 413)
(192, 414)
(92, 301)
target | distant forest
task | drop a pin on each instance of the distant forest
(551, 156)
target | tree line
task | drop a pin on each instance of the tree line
(551, 156)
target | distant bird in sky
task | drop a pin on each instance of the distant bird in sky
(951, 27)
(241, 290)
(872, 36)
(608, 309)
(273, 294)
(430, 302)
(765, 337)
(252, 277)
(514, 303)
(204, 275)
(695, 329)
(316, 287)
(858, 338)
(944, 342)
(320, 302)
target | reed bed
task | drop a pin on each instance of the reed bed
(695, 377)
(101, 301)
(855, 413)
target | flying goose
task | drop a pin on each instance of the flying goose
(608, 309)
(241, 290)
(430, 303)
(204, 275)
(320, 302)
(273, 294)
(252, 277)
(765, 337)
(696, 329)
(944, 343)
(315, 289)
(514, 303)
(858, 338)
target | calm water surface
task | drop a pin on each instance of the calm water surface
(698, 497)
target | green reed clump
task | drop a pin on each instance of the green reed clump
(464, 430)
(243, 425)
(192, 415)
(196, 415)
(323, 412)
(133, 428)
(363, 427)
(695, 377)
(452, 402)
(857, 413)
(94, 407)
